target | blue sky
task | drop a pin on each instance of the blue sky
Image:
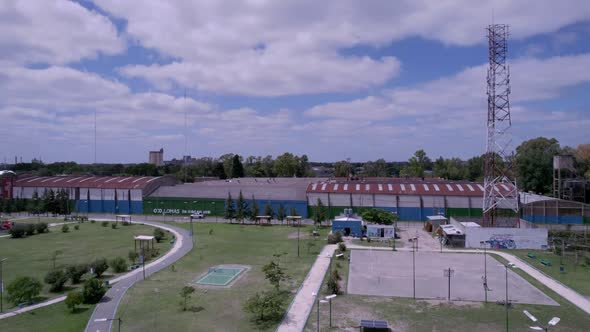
(333, 80)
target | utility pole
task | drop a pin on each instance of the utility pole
(1, 284)
(448, 273)
(414, 265)
(298, 227)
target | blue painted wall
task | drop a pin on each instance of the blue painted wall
(356, 228)
(541, 219)
(110, 206)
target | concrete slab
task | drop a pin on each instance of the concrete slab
(388, 273)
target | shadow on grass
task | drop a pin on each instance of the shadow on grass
(78, 311)
(195, 309)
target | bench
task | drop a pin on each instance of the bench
(532, 255)
(546, 262)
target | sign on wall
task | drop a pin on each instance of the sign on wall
(506, 238)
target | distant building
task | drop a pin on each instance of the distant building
(157, 157)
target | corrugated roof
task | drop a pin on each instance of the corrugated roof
(72, 181)
(410, 187)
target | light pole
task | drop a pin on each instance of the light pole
(485, 270)
(1, 284)
(552, 322)
(506, 300)
(214, 210)
(329, 298)
(414, 239)
(110, 319)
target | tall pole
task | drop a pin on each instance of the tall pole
(1, 284)
(506, 302)
(298, 227)
(449, 289)
(330, 313)
(414, 267)
(318, 320)
(119, 319)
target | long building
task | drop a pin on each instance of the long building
(94, 194)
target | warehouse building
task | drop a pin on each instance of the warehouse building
(94, 194)
(210, 196)
(410, 199)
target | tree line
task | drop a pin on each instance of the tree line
(54, 202)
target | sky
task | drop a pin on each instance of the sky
(333, 79)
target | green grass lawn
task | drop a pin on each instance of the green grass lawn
(576, 277)
(53, 318)
(31, 256)
(153, 305)
(398, 243)
(34, 220)
(405, 314)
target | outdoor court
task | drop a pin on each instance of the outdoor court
(389, 273)
(220, 276)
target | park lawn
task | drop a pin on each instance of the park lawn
(405, 314)
(31, 256)
(398, 243)
(34, 220)
(576, 277)
(153, 304)
(54, 318)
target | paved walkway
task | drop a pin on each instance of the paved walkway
(300, 308)
(564, 291)
(107, 307)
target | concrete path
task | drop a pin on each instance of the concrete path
(107, 307)
(299, 310)
(32, 307)
(564, 291)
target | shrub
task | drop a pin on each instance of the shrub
(342, 247)
(159, 234)
(65, 228)
(42, 227)
(17, 231)
(132, 255)
(335, 238)
(74, 299)
(92, 221)
(76, 271)
(266, 306)
(29, 229)
(56, 279)
(76, 227)
(118, 264)
(114, 225)
(333, 284)
(99, 266)
(93, 291)
(186, 293)
(104, 223)
(23, 290)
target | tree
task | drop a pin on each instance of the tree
(268, 210)
(319, 212)
(56, 279)
(74, 299)
(254, 211)
(93, 291)
(99, 266)
(417, 164)
(219, 171)
(23, 290)
(379, 216)
(76, 271)
(237, 169)
(534, 164)
(265, 305)
(159, 234)
(293, 212)
(132, 255)
(186, 293)
(376, 168)
(240, 207)
(343, 169)
(333, 283)
(475, 169)
(230, 210)
(281, 213)
(274, 274)
(582, 155)
(118, 264)
(286, 165)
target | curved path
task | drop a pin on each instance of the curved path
(107, 307)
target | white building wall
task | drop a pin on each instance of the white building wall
(510, 238)
(108, 194)
(385, 200)
(313, 199)
(433, 201)
(136, 195)
(364, 200)
(409, 201)
(95, 194)
(457, 202)
(339, 199)
(122, 194)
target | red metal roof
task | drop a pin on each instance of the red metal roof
(407, 187)
(72, 181)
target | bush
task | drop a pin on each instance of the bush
(159, 234)
(23, 290)
(342, 247)
(17, 231)
(93, 291)
(74, 299)
(92, 221)
(132, 255)
(334, 238)
(76, 227)
(99, 266)
(56, 279)
(42, 227)
(265, 306)
(118, 264)
(114, 225)
(29, 229)
(65, 228)
(333, 283)
(104, 223)
(76, 271)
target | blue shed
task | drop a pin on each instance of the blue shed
(348, 226)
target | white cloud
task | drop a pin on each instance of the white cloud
(271, 48)
(54, 32)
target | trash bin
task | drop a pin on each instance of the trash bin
(562, 269)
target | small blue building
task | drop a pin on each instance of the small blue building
(348, 225)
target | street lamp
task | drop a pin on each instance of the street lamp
(1, 283)
(108, 320)
(506, 300)
(326, 300)
(552, 322)
(414, 245)
(485, 270)
(329, 298)
(214, 210)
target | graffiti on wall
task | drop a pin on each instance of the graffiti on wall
(502, 241)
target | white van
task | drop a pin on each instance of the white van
(198, 215)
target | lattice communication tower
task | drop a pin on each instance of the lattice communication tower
(500, 192)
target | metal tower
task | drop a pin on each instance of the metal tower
(500, 192)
